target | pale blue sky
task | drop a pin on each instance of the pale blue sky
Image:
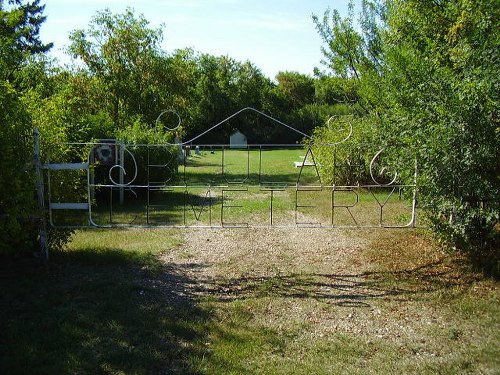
(275, 35)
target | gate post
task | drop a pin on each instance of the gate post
(121, 157)
(414, 201)
(43, 236)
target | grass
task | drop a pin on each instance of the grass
(253, 167)
(94, 310)
(108, 305)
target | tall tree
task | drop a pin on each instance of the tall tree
(443, 75)
(223, 87)
(298, 89)
(124, 53)
(20, 23)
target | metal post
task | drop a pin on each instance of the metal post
(272, 196)
(122, 172)
(414, 202)
(43, 236)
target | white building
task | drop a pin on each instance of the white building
(237, 140)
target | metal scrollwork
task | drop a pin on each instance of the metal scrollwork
(166, 127)
(340, 130)
(382, 171)
(165, 166)
(120, 167)
(192, 184)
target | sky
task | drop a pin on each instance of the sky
(275, 35)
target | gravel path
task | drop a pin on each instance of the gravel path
(313, 275)
(268, 252)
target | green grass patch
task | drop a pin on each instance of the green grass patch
(105, 305)
(251, 166)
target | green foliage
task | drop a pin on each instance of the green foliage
(123, 53)
(141, 133)
(224, 86)
(344, 147)
(444, 85)
(17, 201)
(305, 102)
(344, 44)
(427, 72)
(335, 90)
(20, 23)
(19, 217)
(144, 135)
(297, 88)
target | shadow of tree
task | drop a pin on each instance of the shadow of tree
(353, 290)
(98, 311)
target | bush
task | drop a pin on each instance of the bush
(428, 74)
(344, 147)
(18, 200)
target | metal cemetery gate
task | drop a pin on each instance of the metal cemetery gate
(187, 184)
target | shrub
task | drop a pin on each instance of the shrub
(17, 201)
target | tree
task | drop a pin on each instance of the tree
(291, 100)
(356, 56)
(428, 73)
(223, 87)
(443, 76)
(214, 91)
(298, 89)
(124, 53)
(17, 198)
(19, 34)
(177, 88)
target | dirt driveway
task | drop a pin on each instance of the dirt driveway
(376, 284)
(310, 300)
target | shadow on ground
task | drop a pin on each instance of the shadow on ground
(98, 311)
(341, 289)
